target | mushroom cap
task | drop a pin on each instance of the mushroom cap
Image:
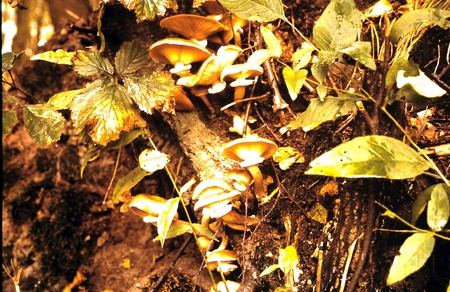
(178, 51)
(182, 101)
(192, 26)
(222, 255)
(249, 150)
(210, 187)
(227, 286)
(217, 201)
(145, 205)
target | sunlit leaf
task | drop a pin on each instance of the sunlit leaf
(402, 63)
(422, 200)
(8, 60)
(87, 64)
(288, 259)
(331, 188)
(9, 99)
(370, 156)
(63, 100)
(438, 210)
(269, 270)
(43, 123)
(255, 10)
(187, 186)
(58, 57)
(286, 156)
(319, 71)
(421, 84)
(414, 253)
(337, 28)
(9, 119)
(166, 217)
(130, 58)
(149, 9)
(104, 112)
(126, 263)
(318, 213)
(379, 8)
(129, 181)
(152, 91)
(294, 80)
(301, 58)
(328, 109)
(273, 44)
(152, 160)
(413, 19)
(361, 52)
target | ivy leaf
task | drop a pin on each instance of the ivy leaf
(301, 58)
(370, 156)
(422, 200)
(87, 64)
(294, 80)
(130, 58)
(152, 91)
(321, 111)
(166, 217)
(149, 9)
(104, 112)
(438, 210)
(63, 100)
(337, 28)
(413, 19)
(129, 181)
(361, 52)
(414, 252)
(9, 119)
(152, 160)
(58, 57)
(255, 10)
(43, 123)
(273, 44)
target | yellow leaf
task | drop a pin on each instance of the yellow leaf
(318, 213)
(331, 188)
(126, 263)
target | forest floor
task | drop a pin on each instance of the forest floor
(57, 225)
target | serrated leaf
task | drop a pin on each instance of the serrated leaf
(104, 112)
(269, 270)
(294, 80)
(255, 10)
(166, 217)
(361, 52)
(43, 123)
(129, 181)
(149, 9)
(301, 58)
(438, 210)
(273, 44)
(414, 253)
(152, 160)
(9, 119)
(413, 19)
(87, 64)
(130, 58)
(63, 100)
(370, 156)
(338, 26)
(152, 91)
(328, 109)
(422, 200)
(58, 57)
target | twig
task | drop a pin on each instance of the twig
(113, 176)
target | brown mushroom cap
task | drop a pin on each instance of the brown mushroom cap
(249, 150)
(177, 51)
(192, 26)
(145, 205)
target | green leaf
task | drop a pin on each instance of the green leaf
(130, 58)
(362, 53)
(87, 64)
(269, 270)
(421, 84)
(438, 210)
(9, 119)
(286, 156)
(255, 10)
(422, 200)
(414, 252)
(9, 99)
(288, 259)
(152, 160)
(43, 123)
(149, 9)
(152, 91)
(129, 181)
(328, 109)
(104, 112)
(273, 44)
(337, 28)
(301, 58)
(58, 57)
(8, 60)
(63, 100)
(413, 19)
(166, 217)
(370, 156)
(402, 63)
(294, 80)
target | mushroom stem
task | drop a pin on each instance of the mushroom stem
(258, 184)
(239, 93)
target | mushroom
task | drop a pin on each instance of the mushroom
(238, 221)
(182, 101)
(226, 286)
(178, 52)
(249, 152)
(210, 72)
(194, 27)
(221, 260)
(241, 178)
(148, 207)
